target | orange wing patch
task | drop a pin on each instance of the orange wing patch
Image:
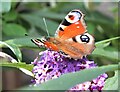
(72, 30)
(51, 46)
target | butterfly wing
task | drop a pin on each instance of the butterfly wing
(45, 42)
(78, 46)
(72, 25)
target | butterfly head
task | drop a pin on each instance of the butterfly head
(74, 16)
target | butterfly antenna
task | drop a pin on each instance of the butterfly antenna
(46, 26)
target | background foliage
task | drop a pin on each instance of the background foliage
(20, 18)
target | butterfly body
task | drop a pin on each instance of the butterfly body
(71, 37)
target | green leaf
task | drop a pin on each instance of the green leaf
(109, 54)
(66, 81)
(5, 6)
(18, 65)
(112, 83)
(12, 29)
(90, 27)
(104, 41)
(68, 5)
(37, 21)
(26, 68)
(10, 16)
(14, 49)
(22, 42)
(33, 20)
(7, 58)
(48, 14)
(28, 72)
(103, 45)
(100, 51)
(97, 17)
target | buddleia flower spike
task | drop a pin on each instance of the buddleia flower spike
(52, 65)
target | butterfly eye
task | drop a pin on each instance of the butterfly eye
(84, 38)
(71, 17)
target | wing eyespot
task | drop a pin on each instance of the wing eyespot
(84, 38)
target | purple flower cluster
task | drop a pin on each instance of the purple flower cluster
(51, 65)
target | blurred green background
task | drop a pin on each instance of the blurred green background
(20, 18)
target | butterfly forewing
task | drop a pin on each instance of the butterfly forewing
(71, 27)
